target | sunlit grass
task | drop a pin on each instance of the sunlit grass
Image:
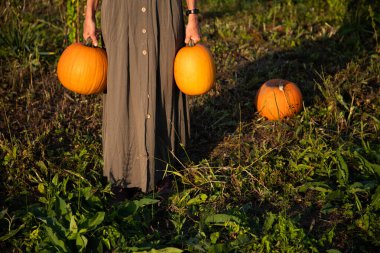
(244, 184)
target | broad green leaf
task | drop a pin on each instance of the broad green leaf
(356, 185)
(55, 180)
(94, 201)
(43, 200)
(364, 222)
(376, 169)
(375, 203)
(86, 192)
(220, 219)
(214, 237)
(95, 220)
(61, 206)
(73, 225)
(330, 235)
(43, 167)
(126, 209)
(269, 222)
(72, 236)
(57, 226)
(83, 152)
(106, 242)
(81, 242)
(64, 185)
(41, 188)
(199, 199)
(316, 186)
(59, 243)
(342, 170)
(368, 166)
(145, 202)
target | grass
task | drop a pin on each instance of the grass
(305, 184)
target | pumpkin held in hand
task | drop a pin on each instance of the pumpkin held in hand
(194, 69)
(277, 99)
(83, 69)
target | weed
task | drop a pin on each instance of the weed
(305, 184)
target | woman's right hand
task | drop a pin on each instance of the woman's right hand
(192, 30)
(89, 26)
(89, 29)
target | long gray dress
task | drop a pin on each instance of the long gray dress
(145, 116)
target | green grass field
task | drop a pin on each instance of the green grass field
(309, 183)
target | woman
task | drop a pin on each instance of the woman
(145, 116)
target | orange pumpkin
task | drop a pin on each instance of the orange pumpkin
(278, 98)
(194, 69)
(83, 69)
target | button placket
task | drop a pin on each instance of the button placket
(146, 56)
(143, 30)
(145, 52)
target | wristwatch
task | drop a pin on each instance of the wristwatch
(192, 11)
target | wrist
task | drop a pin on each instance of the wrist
(193, 18)
(90, 16)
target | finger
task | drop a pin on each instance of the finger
(187, 39)
(94, 40)
(195, 39)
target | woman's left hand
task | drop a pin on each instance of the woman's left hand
(192, 29)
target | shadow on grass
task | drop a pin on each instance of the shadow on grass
(302, 64)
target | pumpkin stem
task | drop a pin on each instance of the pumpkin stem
(191, 43)
(88, 42)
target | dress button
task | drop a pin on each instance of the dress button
(148, 116)
(148, 96)
(143, 9)
(143, 31)
(144, 52)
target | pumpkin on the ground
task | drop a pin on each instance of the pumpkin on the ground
(194, 69)
(277, 99)
(83, 69)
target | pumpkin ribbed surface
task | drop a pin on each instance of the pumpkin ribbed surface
(277, 99)
(194, 70)
(83, 69)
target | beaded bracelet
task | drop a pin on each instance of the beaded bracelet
(193, 11)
